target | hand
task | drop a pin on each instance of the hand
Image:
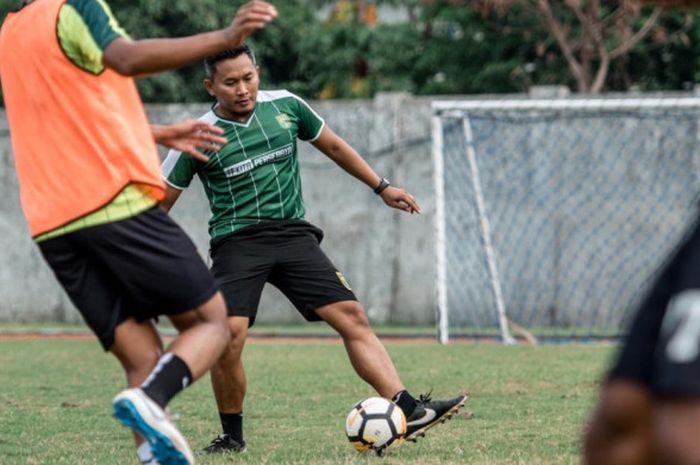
(190, 137)
(249, 18)
(396, 197)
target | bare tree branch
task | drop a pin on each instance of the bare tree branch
(627, 45)
(600, 22)
(614, 16)
(603, 68)
(561, 38)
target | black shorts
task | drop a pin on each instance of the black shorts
(140, 268)
(662, 349)
(285, 254)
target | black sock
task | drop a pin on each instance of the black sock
(405, 401)
(170, 376)
(232, 423)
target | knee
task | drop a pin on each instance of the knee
(351, 321)
(355, 314)
(239, 332)
(138, 366)
(213, 313)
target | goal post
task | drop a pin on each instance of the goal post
(554, 215)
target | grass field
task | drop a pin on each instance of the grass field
(527, 404)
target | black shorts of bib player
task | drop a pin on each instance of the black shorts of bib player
(107, 271)
(648, 411)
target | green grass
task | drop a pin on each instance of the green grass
(527, 404)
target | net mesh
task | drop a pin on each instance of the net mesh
(583, 206)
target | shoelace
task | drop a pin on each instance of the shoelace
(425, 398)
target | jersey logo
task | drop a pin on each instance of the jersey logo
(250, 164)
(284, 121)
(342, 280)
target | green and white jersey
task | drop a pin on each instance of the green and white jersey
(255, 177)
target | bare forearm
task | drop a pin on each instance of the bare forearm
(154, 55)
(346, 157)
(150, 56)
(351, 161)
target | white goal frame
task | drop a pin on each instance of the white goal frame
(460, 109)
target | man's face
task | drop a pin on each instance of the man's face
(235, 87)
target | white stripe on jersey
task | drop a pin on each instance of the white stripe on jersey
(291, 138)
(252, 178)
(279, 188)
(267, 139)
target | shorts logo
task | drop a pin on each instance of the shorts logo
(284, 121)
(342, 280)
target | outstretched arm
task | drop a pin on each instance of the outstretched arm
(190, 137)
(335, 148)
(134, 58)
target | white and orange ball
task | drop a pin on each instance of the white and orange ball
(374, 424)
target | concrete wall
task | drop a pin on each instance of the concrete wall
(386, 255)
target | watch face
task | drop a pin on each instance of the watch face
(383, 184)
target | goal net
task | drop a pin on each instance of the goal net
(555, 215)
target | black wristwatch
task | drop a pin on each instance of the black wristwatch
(383, 184)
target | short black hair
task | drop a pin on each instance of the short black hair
(210, 62)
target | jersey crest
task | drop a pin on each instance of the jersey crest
(283, 120)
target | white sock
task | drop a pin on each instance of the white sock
(146, 455)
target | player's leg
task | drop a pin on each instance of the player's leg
(241, 265)
(203, 335)
(229, 384)
(138, 348)
(367, 354)
(319, 291)
(99, 298)
(372, 363)
(159, 272)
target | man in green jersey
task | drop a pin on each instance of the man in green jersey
(259, 235)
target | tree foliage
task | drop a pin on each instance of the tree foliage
(445, 46)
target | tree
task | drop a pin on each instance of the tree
(446, 46)
(590, 34)
(606, 34)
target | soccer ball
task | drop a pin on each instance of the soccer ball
(374, 424)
